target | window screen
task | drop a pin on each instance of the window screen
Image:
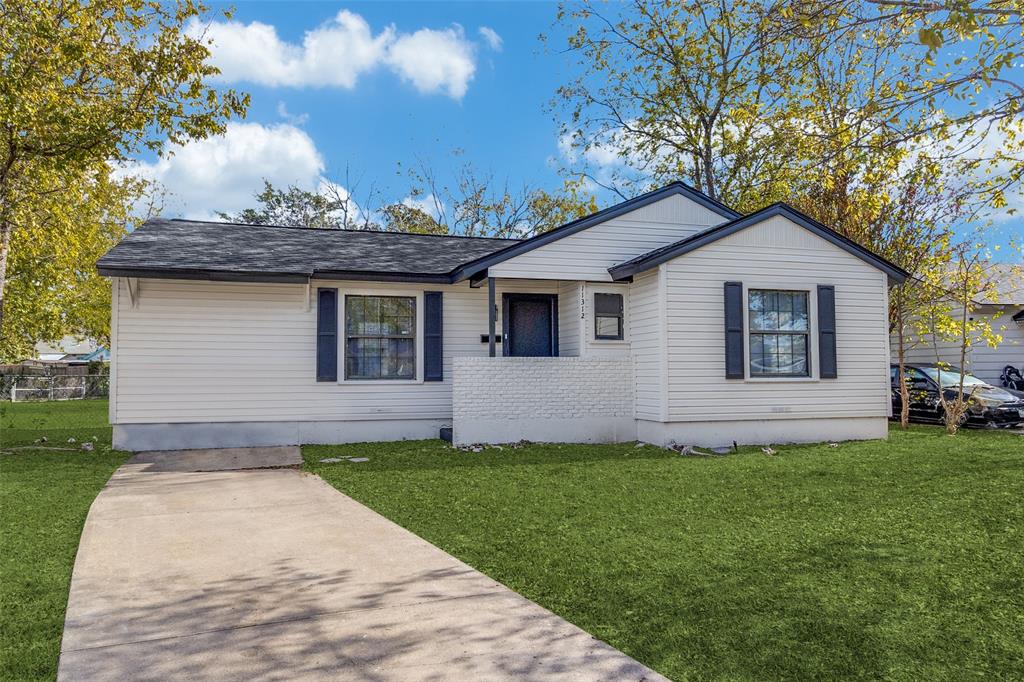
(608, 316)
(380, 337)
(778, 333)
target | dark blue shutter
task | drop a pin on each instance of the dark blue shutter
(326, 334)
(734, 354)
(433, 337)
(827, 366)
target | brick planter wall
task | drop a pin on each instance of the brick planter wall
(564, 400)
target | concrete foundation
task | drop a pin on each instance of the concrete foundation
(569, 430)
(757, 432)
(192, 436)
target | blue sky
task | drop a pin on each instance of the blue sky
(351, 92)
(373, 113)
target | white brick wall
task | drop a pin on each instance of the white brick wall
(565, 399)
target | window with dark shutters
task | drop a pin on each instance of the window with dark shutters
(779, 325)
(433, 337)
(828, 366)
(380, 337)
(734, 354)
(326, 334)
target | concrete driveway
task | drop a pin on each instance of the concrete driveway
(187, 570)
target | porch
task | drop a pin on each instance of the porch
(558, 367)
(555, 318)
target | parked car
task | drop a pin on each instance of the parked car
(987, 405)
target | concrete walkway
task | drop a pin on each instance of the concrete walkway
(190, 570)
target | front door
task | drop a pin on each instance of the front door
(530, 324)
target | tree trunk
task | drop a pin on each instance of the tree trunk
(5, 247)
(961, 403)
(901, 372)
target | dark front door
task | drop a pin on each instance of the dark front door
(530, 325)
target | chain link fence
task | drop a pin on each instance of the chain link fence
(60, 387)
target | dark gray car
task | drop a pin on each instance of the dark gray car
(988, 406)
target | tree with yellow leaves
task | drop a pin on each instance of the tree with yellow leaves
(83, 87)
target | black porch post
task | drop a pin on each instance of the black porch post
(491, 313)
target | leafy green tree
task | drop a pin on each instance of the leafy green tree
(887, 80)
(693, 90)
(84, 86)
(403, 218)
(951, 316)
(476, 204)
(473, 206)
(52, 285)
(294, 207)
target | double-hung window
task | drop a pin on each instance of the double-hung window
(608, 316)
(779, 340)
(380, 337)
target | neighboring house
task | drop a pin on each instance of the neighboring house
(666, 317)
(1004, 311)
(72, 350)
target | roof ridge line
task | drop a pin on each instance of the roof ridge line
(331, 229)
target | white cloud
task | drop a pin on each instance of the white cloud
(434, 61)
(294, 119)
(223, 173)
(491, 37)
(338, 52)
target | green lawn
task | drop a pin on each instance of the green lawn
(44, 498)
(898, 560)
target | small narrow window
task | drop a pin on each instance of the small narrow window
(778, 333)
(380, 337)
(608, 316)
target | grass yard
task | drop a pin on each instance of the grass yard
(898, 560)
(44, 499)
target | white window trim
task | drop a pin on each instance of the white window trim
(812, 332)
(416, 294)
(590, 337)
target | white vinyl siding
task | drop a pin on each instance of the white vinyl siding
(592, 344)
(197, 351)
(569, 323)
(588, 254)
(776, 254)
(986, 362)
(646, 318)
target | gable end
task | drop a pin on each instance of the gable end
(474, 267)
(666, 253)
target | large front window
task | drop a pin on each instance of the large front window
(778, 333)
(380, 337)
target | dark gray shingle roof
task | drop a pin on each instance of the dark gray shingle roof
(209, 250)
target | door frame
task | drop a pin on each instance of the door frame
(506, 327)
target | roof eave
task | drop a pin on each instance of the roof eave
(272, 277)
(370, 276)
(201, 274)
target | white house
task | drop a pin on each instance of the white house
(1003, 311)
(666, 317)
(72, 350)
